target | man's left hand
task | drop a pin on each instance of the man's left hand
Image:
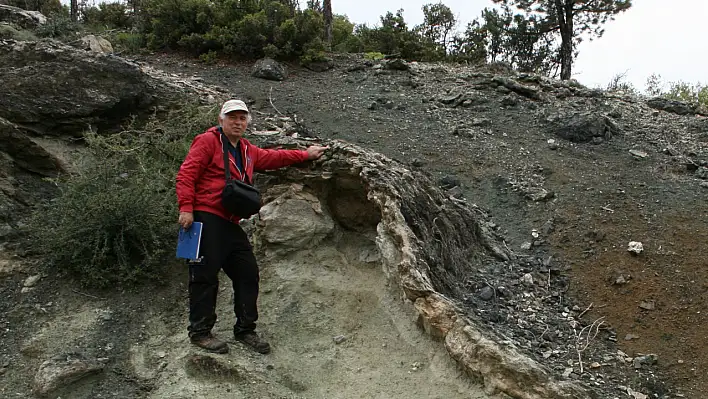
(315, 152)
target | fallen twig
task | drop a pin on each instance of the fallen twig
(580, 316)
(270, 100)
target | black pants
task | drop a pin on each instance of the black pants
(225, 246)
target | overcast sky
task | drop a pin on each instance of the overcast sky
(651, 37)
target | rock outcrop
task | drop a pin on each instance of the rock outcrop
(428, 244)
(62, 371)
(51, 91)
(22, 18)
(54, 89)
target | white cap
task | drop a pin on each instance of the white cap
(233, 105)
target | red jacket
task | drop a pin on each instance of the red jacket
(201, 177)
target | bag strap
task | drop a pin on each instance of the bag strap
(225, 150)
(227, 166)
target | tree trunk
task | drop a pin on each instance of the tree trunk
(564, 13)
(328, 22)
(74, 9)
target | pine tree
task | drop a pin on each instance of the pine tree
(571, 19)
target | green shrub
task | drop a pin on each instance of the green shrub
(57, 26)
(114, 221)
(170, 21)
(374, 56)
(109, 15)
(271, 51)
(130, 43)
(209, 57)
(314, 52)
(678, 90)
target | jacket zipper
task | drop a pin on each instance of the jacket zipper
(245, 155)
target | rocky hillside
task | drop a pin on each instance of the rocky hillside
(465, 218)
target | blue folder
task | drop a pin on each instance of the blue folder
(189, 241)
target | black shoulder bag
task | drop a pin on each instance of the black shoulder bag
(238, 198)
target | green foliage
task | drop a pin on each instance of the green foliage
(109, 15)
(439, 21)
(210, 57)
(678, 90)
(114, 221)
(374, 56)
(128, 42)
(58, 26)
(569, 19)
(519, 41)
(471, 46)
(170, 21)
(314, 52)
(240, 29)
(342, 30)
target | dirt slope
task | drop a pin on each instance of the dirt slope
(603, 196)
(337, 332)
(566, 207)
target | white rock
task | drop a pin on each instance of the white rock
(31, 281)
(635, 247)
(527, 279)
(96, 44)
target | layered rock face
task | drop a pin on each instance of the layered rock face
(53, 89)
(51, 93)
(429, 243)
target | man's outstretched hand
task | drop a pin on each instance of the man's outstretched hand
(315, 152)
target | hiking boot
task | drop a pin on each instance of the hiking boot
(210, 343)
(253, 341)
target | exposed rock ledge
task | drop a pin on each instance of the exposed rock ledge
(428, 243)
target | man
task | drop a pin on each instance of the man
(224, 245)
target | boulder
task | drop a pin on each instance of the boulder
(320, 66)
(61, 371)
(397, 64)
(52, 89)
(22, 18)
(673, 106)
(96, 44)
(293, 221)
(524, 90)
(270, 69)
(582, 127)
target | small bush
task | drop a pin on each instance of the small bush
(130, 43)
(210, 57)
(678, 90)
(271, 51)
(57, 26)
(374, 56)
(314, 52)
(114, 221)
